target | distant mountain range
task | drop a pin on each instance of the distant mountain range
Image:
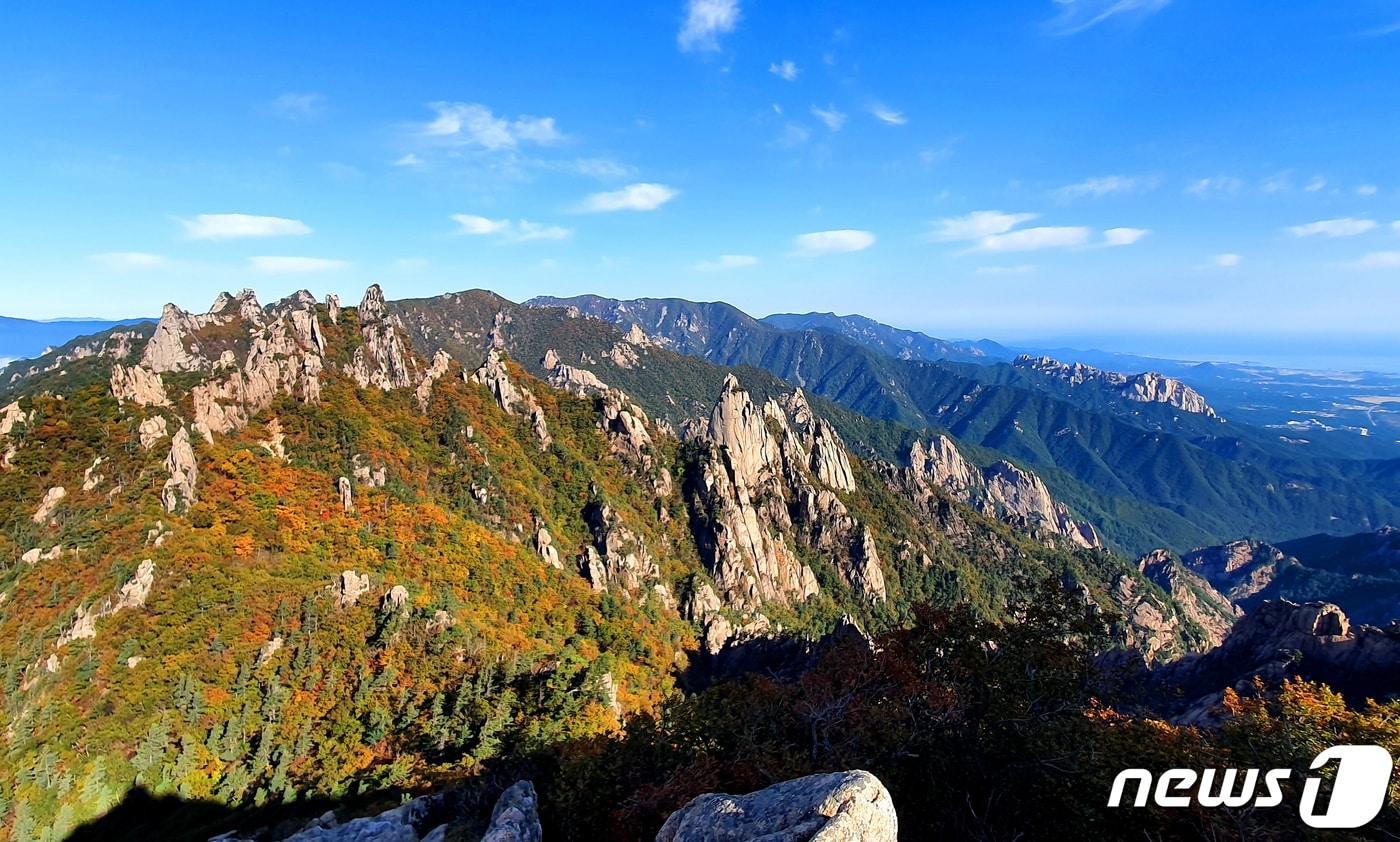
(1147, 473)
(22, 339)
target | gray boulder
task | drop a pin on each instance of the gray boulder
(838, 807)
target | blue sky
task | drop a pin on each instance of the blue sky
(1181, 177)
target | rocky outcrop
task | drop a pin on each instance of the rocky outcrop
(347, 495)
(738, 428)
(838, 807)
(178, 492)
(494, 375)
(1239, 569)
(1198, 601)
(1001, 490)
(1279, 639)
(1148, 387)
(131, 596)
(11, 416)
(349, 587)
(424, 392)
(139, 385)
(49, 504)
(394, 599)
(544, 546)
(617, 557)
(381, 360)
(151, 431)
(516, 816)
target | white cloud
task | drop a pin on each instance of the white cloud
(1367, 190)
(294, 265)
(840, 241)
(1123, 236)
(409, 160)
(1079, 15)
(1227, 260)
(127, 260)
(1221, 185)
(230, 226)
(1344, 227)
(633, 197)
(511, 230)
(726, 261)
(978, 224)
(599, 168)
(1097, 188)
(1023, 269)
(473, 124)
(1034, 239)
(1315, 184)
(1281, 182)
(832, 117)
(299, 106)
(785, 70)
(705, 22)
(793, 134)
(888, 115)
(1378, 260)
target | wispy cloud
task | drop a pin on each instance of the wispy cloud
(705, 22)
(978, 224)
(1123, 236)
(299, 106)
(509, 230)
(473, 124)
(1220, 185)
(1078, 15)
(1343, 227)
(1366, 191)
(785, 70)
(832, 117)
(1107, 185)
(888, 115)
(840, 241)
(294, 265)
(128, 260)
(1035, 239)
(793, 134)
(231, 226)
(1378, 260)
(1227, 260)
(409, 160)
(726, 261)
(633, 197)
(1315, 184)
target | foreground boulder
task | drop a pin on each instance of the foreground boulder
(838, 807)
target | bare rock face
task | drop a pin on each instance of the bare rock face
(1279, 639)
(1147, 387)
(394, 599)
(737, 426)
(179, 490)
(349, 587)
(11, 416)
(618, 557)
(347, 495)
(516, 816)
(544, 546)
(139, 385)
(1239, 569)
(333, 308)
(381, 360)
(1199, 601)
(424, 392)
(131, 596)
(49, 504)
(494, 375)
(838, 807)
(151, 431)
(1001, 490)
